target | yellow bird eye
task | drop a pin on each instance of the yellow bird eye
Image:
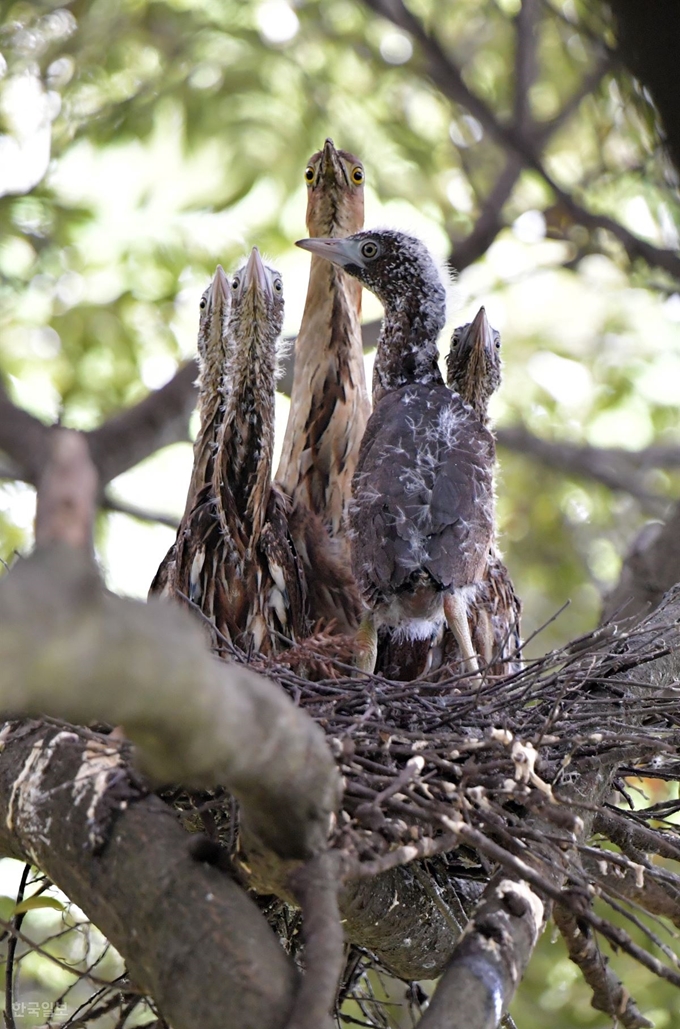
(357, 175)
(309, 174)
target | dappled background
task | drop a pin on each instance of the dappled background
(141, 143)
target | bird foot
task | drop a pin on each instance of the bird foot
(366, 646)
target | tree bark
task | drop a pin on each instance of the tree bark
(189, 935)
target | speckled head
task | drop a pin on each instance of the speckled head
(256, 300)
(214, 308)
(396, 267)
(473, 363)
(335, 192)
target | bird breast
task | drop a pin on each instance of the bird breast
(422, 504)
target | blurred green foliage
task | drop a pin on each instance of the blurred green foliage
(141, 141)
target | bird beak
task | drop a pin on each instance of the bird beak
(481, 334)
(220, 286)
(256, 274)
(331, 169)
(342, 252)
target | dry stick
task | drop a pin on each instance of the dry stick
(315, 887)
(609, 993)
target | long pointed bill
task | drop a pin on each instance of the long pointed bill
(220, 287)
(331, 169)
(480, 334)
(342, 252)
(256, 274)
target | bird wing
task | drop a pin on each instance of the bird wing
(333, 596)
(422, 493)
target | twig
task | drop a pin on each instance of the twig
(11, 949)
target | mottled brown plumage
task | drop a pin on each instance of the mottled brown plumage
(421, 515)
(329, 403)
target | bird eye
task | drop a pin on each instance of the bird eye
(235, 282)
(369, 249)
(309, 174)
(357, 175)
(498, 344)
(278, 286)
(203, 304)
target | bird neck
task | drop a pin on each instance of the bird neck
(333, 300)
(472, 390)
(243, 464)
(209, 383)
(407, 348)
(476, 383)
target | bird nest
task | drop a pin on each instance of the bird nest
(524, 773)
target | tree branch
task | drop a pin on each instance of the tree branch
(157, 421)
(609, 993)
(616, 468)
(448, 78)
(73, 810)
(72, 651)
(489, 960)
(315, 887)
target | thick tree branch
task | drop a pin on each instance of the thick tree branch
(614, 467)
(489, 960)
(189, 934)
(23, 438)
(71, 651)
(158, 420)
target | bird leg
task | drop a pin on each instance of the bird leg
(484, 637)
(366, 642)
(457, 620)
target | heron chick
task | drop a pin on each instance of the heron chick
(473, 367)
(421, 516)
(329, 404)
(212, 353)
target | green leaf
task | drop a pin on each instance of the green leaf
(33, 903)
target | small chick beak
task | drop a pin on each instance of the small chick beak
(481, 335)
(220, 286)
(339, 251)
(331, 169)
(255, 275)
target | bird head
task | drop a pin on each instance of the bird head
(256, 300)
(393, 265)
(473, 363)
(335, 192)
(214, 307)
